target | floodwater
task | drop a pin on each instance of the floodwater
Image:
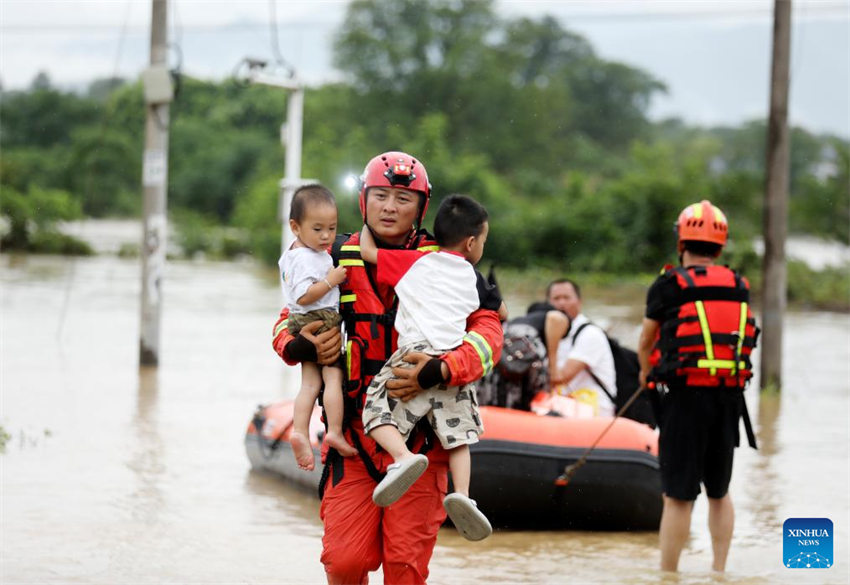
(119, 475)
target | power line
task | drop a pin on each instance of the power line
(274, 40)
(35, 29)
(812, 11)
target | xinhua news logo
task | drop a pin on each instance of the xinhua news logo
(807, 543)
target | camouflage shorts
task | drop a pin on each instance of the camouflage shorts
(451, 410)
(296, 321)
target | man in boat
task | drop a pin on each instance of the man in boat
(585, 368)
(359, 536)
(697, 336)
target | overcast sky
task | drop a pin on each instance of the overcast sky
(714, 55)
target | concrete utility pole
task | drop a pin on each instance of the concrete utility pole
(158, 95)
(259, 71)
(292, 165)
(774, 294)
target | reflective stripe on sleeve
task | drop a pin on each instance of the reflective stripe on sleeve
(280, 327)
(485, 352)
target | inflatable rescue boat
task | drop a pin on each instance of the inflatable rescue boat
(515, 466)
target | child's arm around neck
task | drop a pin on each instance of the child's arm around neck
(368, 247)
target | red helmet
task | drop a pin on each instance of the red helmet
(396, 169)
(702, 222)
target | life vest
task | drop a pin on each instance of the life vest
(371, 340)
(369, 323)
(708, 338)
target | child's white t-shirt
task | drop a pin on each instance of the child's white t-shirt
(299, 269)
(436, 294)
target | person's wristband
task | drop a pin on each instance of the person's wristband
(431, 374)
(301, 349)
(327, 282)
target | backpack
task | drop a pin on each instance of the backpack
(521, 351)
(627, 368)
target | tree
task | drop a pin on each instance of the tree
(43, 117)
(525, 93)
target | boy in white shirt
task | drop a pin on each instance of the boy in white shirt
(436, 293)
(311, 282)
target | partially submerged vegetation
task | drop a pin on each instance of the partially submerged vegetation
(827, 289)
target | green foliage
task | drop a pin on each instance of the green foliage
(104, 169)
(821, 204)
(28, 166)
(257, 213)
(31, 219)
(494, 80)
(204, 236)
(827, 289)
(43, 117)
(209, 168)
(520, 113)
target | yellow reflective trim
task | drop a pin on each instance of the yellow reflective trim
(350, 248)
(280, 327)
(485, 352)
(706, 334)
(697, 209)
(428, 249)
(718, 215)
(348, 358)
(481, 354)
(347, 298)
(351, 262)
(742, 328)
(714, 364)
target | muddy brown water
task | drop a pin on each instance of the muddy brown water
(116, 474)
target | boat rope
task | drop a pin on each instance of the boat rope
(564, 479)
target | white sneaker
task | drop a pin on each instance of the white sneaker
(466, 517)
(400, 476)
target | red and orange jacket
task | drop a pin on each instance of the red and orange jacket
(368, 312)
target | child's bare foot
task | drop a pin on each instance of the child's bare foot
(338, 442)
(302, 449)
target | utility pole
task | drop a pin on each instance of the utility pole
(156, 80)
(292, 165)
(262, 72)
(774, 271)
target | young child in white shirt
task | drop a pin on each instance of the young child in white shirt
(311, 285)
(437, 291)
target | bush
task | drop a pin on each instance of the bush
(31, 218)
(827, 289)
